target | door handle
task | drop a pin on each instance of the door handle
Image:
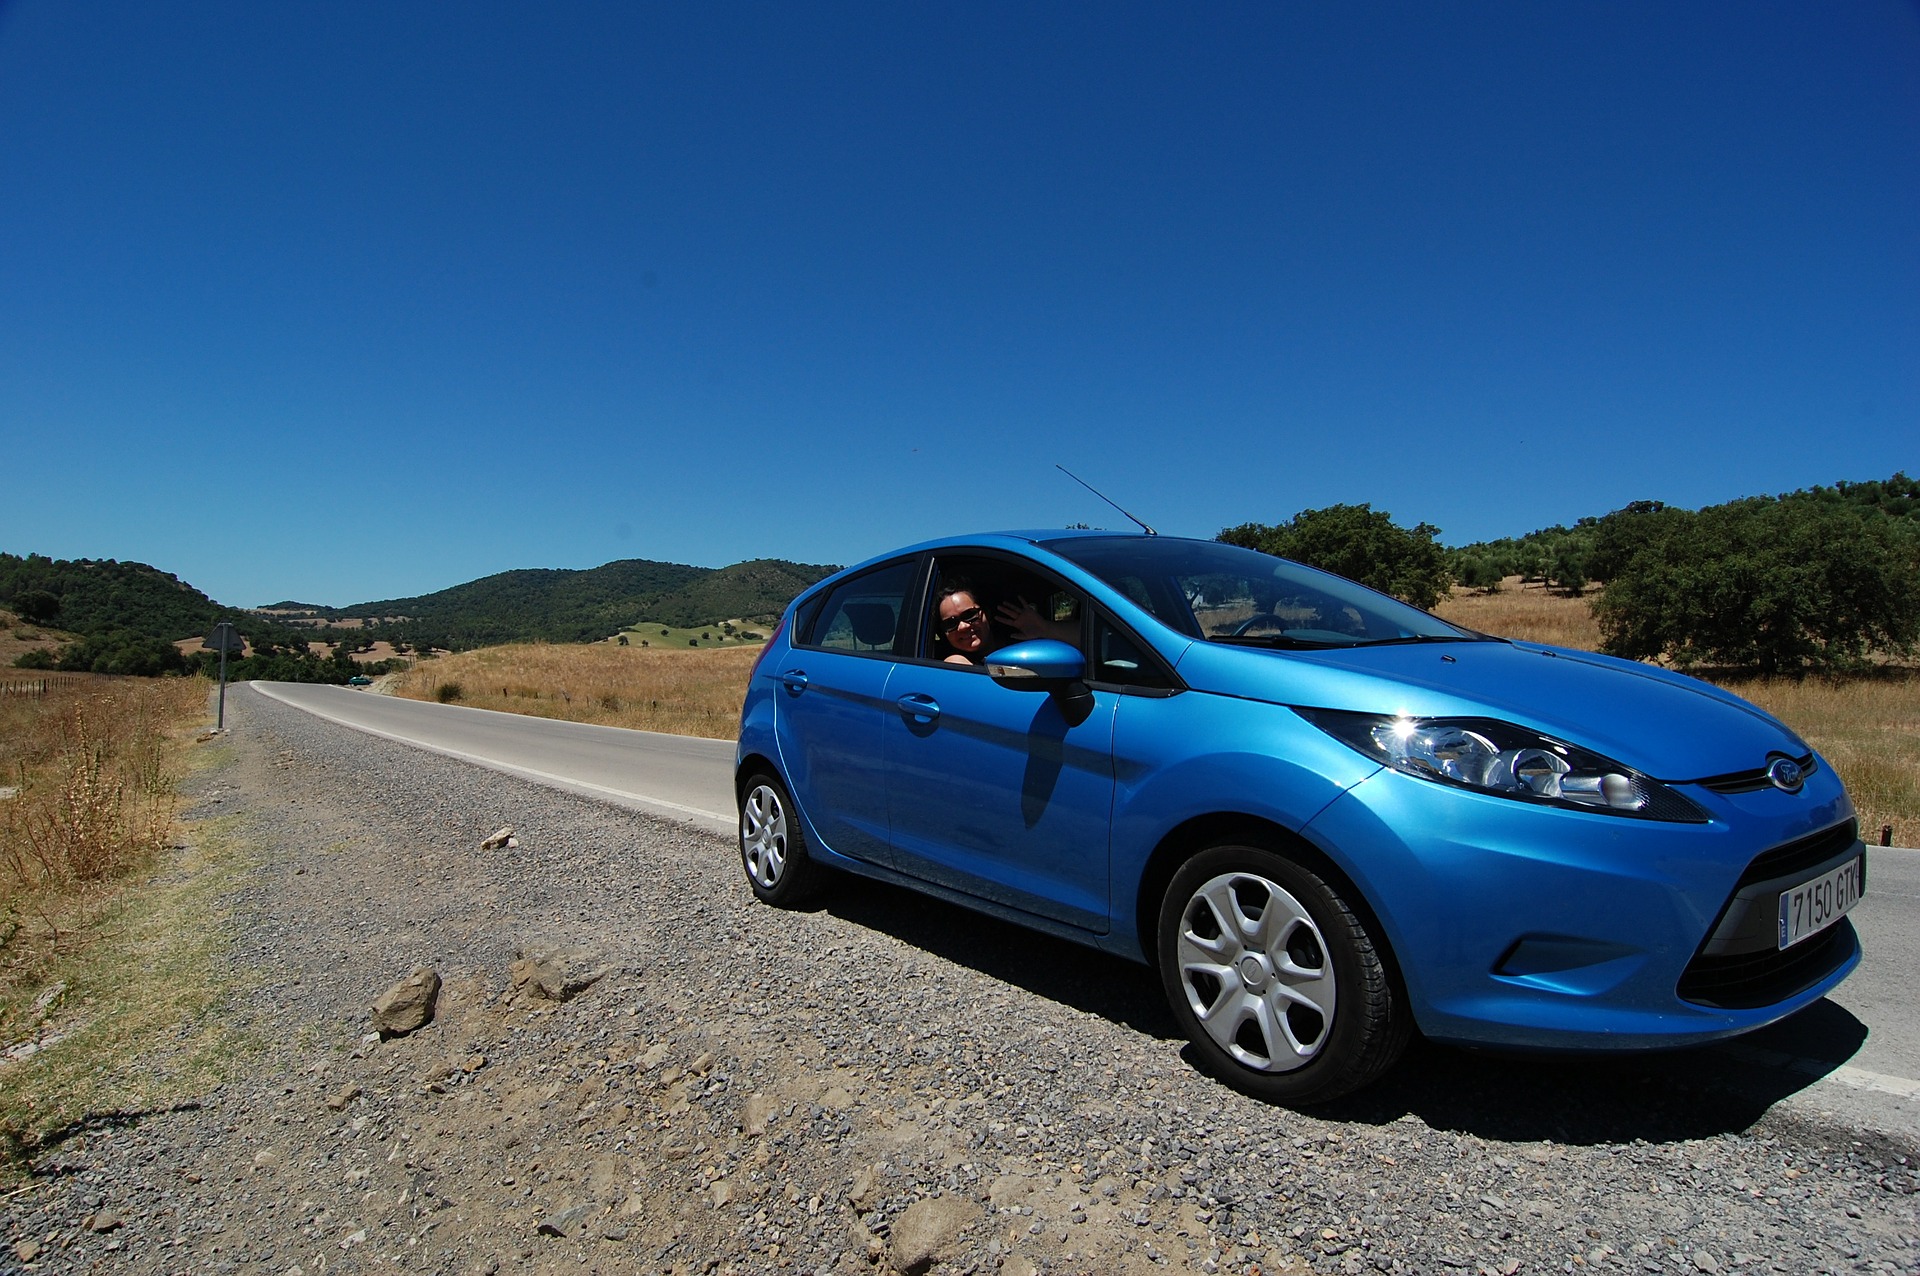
(794, 680)
(918, 705)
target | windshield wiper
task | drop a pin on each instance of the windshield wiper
(1280, 641)
(1416, 638)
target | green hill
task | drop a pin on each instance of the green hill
(757, 590)
(98, 596)
(558, 605)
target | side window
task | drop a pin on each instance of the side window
(1117, 658)
(1013, 601)
(863, 614)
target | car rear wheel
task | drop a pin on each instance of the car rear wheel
(772, 849)
(1275, 978)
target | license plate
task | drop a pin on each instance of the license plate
(1811, 907)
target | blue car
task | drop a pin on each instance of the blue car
(1325, 818)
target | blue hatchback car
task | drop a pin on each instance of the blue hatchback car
(1327, 819)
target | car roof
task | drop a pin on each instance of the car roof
(1009, 539)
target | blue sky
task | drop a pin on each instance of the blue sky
(348, 301)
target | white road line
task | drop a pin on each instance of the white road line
(1861, 1079)
(1824, 1070)
(723, 823)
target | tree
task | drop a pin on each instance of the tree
(122, 651)
(1360, 543)
(1478, 573)
(38, 606)
(1791, 585)
(1618, 536)
(1569, 570)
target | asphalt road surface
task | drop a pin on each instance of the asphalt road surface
(1853, 1057)
(681, 777)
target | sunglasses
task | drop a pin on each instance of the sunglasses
(971, 616)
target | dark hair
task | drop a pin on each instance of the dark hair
(954, 585)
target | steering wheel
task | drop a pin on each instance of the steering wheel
(1253, 622)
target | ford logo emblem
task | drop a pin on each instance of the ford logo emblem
(1785, 774)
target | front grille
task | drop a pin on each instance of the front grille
(1763, 975)
(1803, 854)
(1742, 981)
(1751, 781)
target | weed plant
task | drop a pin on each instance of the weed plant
(92, 776)
(91, 771)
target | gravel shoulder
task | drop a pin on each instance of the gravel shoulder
(884, 1084)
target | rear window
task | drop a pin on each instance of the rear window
(862, 613)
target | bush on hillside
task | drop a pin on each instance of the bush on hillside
(1791, 585)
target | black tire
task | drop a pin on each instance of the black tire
(773, 851)
(1273, 977)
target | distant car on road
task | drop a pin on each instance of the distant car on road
(1326, 818)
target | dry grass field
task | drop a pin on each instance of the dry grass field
(686, 691)
(18, 637)
(1868, 729)
(1532, 614)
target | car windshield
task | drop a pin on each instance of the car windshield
(1224, 593)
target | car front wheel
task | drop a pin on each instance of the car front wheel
(772, 848)
(1275, 978)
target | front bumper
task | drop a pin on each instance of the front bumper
(1534, 927)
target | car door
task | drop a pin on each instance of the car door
(832, 704)
(1005, 795)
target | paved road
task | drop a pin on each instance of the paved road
(680, 777)
(1855, 1056)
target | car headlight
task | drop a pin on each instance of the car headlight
(1490, 756)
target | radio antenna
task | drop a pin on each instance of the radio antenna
(1103, 496)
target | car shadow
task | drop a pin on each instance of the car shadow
(1653, 1096)
(1082, 978)
(1657, 1096)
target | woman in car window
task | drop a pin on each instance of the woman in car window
(963, 626)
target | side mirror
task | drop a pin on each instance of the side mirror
(1039, 664)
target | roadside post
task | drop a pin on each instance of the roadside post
(222, 636)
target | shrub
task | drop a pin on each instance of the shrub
(1781, 586)
(37, 605)
(96, 786)
(123, 651)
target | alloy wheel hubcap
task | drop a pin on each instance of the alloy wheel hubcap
(1254, 968)
(763, 836)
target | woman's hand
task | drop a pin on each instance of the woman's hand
(1024, 619)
